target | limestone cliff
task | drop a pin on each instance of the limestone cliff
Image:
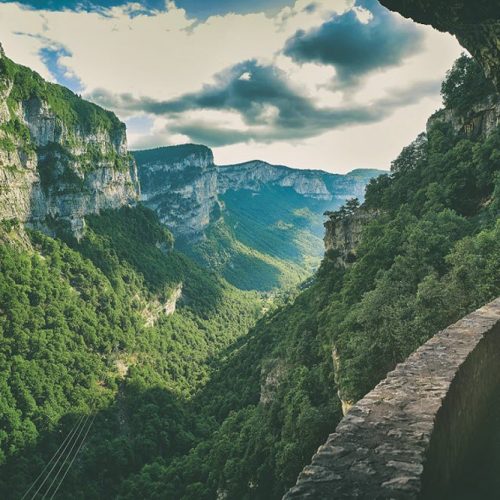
(343, 235)
(315, 184)
(182, 184)
(480, 120)
(476, 24)
(60, 156)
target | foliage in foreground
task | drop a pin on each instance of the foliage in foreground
(74, 339)
(204, 411)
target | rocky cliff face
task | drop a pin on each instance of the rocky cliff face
(343, 235)
(480, 120)
(254, 174)
(182, 184)
(476, 24)
(61, 157)
(310, 183)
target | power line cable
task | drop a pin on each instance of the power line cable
(75, 441)
(84, 418)
(54, 456)
(74, 457)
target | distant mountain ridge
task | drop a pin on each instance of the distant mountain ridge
(188, 176)
(259, 225)
(310, 183)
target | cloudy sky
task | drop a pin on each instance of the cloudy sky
(330, 84)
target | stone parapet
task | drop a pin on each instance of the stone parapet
(410, 436)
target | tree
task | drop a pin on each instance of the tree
(465, 85)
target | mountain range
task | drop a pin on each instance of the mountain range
(257, 224)
(156, 356)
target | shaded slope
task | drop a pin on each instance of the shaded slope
(83, 330)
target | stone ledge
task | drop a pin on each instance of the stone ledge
(405, 439)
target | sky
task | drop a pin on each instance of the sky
(324, 84)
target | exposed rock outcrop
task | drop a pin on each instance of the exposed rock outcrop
(155, 308)
(343, 235)
(343, 231)
(273, 372)
(61, 158)
(345, 403)
(315, 184)
(480, 120)
(254, 174)
(182, 184)
(476, 24)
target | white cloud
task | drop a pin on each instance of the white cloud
(167, 54)
(368, 146)
(161, 55)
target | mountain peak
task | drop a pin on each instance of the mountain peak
(173, 154)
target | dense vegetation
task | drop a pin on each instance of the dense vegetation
(259, 235)
(466, 86)
(186, 405)
(76, 318)
(67, 106)
(273, 401)
(265, 240)
(430, 255)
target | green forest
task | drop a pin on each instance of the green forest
(230, 395)
(75, 340)
(263, 241)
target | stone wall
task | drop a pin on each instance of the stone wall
(410, 437)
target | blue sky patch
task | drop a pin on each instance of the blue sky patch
(51, 58)
(200, 9)
(139, 124)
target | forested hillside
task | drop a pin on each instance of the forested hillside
(84, 331)
(264, 240)
(430, 254)
(163, 368)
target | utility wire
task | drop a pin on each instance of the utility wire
(59, 458)
(75, 441)
(54, 456)
(74, 457)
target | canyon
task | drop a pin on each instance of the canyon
(208, 367)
